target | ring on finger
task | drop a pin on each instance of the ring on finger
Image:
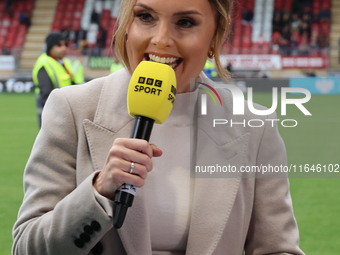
(131, 167)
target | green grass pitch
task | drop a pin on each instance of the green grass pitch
(316, 140)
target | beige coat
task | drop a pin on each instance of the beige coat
(79, 126)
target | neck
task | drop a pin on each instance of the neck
(53, 56)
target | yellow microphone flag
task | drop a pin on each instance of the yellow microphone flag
(152, 91)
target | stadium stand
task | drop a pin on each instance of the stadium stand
(14, 22)
(299, 27)
(258, 27)
(88, 24)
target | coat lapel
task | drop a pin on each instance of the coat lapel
(113, 121)
(214, 194)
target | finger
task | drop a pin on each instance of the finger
(156, 151)
(130, 155)
(136, 169)
(132, 179)
(137, 145)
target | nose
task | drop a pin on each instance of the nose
(162, 37)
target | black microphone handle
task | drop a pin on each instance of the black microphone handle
(141, 129)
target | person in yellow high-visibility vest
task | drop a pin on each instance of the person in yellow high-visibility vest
(209, 69)
(116, 65)
(78, 70)
(52, 70)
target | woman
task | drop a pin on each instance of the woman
(81, 156)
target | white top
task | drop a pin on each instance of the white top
(169, 189)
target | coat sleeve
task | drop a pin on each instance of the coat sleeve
(57, 216)
(273, 228)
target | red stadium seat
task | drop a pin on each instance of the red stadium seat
(2, 40)
(68, 15)
(69, 7)
(3, 31)
(60, 8)
(9, 43)
(106, 14)
(255, 49)
(20, 7)
(287, 5)
(316, 5)
(58, 16)
(326, 4)
(65, 23)
(265, 48)
(250, 5)
(75, 25)
(236, 45)
(55, 26)
(20, 41)
(325, 27)
(105, 24)
(113, 22)
(29, 6)
(278, 5)
(79, 8)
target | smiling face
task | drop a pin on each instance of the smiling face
(177, 32)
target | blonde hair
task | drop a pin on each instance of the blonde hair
(223, 10)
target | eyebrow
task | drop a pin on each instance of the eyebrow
(177, 13)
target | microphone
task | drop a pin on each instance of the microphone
(151, 95)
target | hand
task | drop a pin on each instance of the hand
(116, 170)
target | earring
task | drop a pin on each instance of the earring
(211, 54)
(126, 36)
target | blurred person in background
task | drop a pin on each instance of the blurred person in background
(304, 44)
(315, 16)
(285, 40)
(25, 19)
(325, 15)
(286, 19)
(294, 43)
(305, 28)
(116, 65)
(52, 70)
(247, 16)
(295, 25)
(9, 9)
(5, 51)
(209, 69)
(277, 22)
(78, 70)
(83, 153)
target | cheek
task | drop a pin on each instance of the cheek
(196, 56)
(136, 46)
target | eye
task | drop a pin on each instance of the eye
(145, 17)
(186, 23)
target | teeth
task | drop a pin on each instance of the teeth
(163, 60)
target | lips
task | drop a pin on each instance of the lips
(173, 62)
